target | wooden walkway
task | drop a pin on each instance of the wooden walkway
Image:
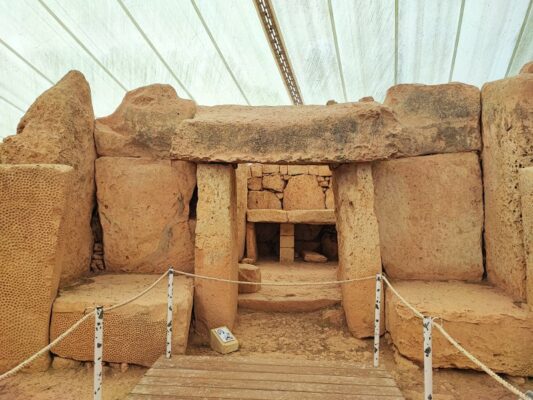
(219, 377)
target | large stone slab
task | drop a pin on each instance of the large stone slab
(144, 212)
(33, 200)
(58, 129)
(216, 250)
(430, 214)
(338, 133)
(526, 197)
(507, 147)
(135, 333)
(241, 176)
(358, 239)
(303, 193)
(481, 318)
(438, 118)
(143, 124)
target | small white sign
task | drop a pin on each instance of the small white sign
(224, 334)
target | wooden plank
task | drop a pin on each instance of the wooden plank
(234, 364)
(176, 374)
(294, 386)
(272, 394)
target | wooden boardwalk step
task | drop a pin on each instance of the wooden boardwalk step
(204, 377)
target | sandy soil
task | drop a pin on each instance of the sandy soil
(320, 335)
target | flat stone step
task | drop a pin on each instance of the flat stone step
(192, 377)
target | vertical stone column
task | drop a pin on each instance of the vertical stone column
(242, 204)
(216, 248)
(526, 192)
(358, 239)
(286, 243)
(251, 242)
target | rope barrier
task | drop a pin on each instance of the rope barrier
(466, 353)
(324, 283)
(57, 340)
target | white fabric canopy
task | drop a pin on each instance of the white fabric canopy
(216, 52)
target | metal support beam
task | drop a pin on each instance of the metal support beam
(519, 38)
(25, 61)
(272, 31)
(337, 51)
(457, 37)
(396, 26)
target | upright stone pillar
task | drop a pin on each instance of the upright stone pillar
(216, 248)
(358, 240)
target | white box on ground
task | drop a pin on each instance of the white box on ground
(223, 341)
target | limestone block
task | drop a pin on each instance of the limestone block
(482, 318)
(286, 241)
(143, 124)
(527, 68)
(313, 170)
(251, 242)
(270, 169)
(303, 193)
(144, 211)
(263, 200)
(33, 200)
(279, 216)
(215, 248)
(313, 256)
(255, 183)
(283, 169)
(273, 182)
(249, 273)
(439, 118)
(330, 199)
(286, 254)
(241, 179)
(133, 334)
(507, 147)
(58, 129)
(430, 214)
(340, 133)
(286, 229)
(324, 170)
(256, 170)
(358, 239)
(316, 217)
(526, 193)
(297, 169)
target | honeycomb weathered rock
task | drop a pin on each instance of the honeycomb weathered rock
(33, 201)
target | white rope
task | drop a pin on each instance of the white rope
(450, 339)
(58, 339)
(308, 283)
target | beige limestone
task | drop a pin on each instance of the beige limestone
(132, 334)
(241, 179)
(330, 199)
(313, 256)
(256, 170)
(297, 169)
(65, 363)
(251, 242)
(286, 241)
(303, 193)
(482, 318)
(262, 215)
(358, 239)
(527, 68)
(273, 182)
(33, 200)
(438, 118)
(255, 183)
(286, 229)
(263, 200)
(249, 273)
(313, 217)
(507, 147)
(286, 254)
(340, 133)
(216, 252)
(144, 212)
(430, 214)
(58, 129)
(143, 124)
(270, 169)
(324, 170)
(284, 169)
(526, 197)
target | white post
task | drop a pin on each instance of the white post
(377, 315)
(170, 304)
(428, 356)
(98, 351)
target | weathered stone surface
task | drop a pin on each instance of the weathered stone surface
(526, 194)
(263, 200)
(249, 273)
(58, 129)
(133, 334)
(273, 182)
(437, 118)
(480, 317)
(270, 169)
(340, 133)
(430, 214)
(33, 200)
(65, 363)
(143, 124)
(358, 239)
(527, 68)
(241, 179)
(280, 216)
(330, 199)
(313, 256)
(255, 183)
(216, 253)
(251, 243)
(144, 212)
(507, 147)
(315, 217)
(303, 193)
(297, 169)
